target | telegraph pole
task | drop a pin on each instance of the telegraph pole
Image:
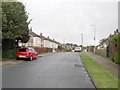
(82, 40)
(94, 37)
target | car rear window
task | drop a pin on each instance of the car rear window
(23, 50)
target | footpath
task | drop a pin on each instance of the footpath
(5, 61)
(106, 63)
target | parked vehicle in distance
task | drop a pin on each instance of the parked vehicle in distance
(77, 49)
(26, 53)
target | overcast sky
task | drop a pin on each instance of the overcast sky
(65, 20)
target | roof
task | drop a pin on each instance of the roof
(55, 42)
(33, 34)
(42, 37)
(49, 39)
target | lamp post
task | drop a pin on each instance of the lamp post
(94, 37)
(82, 40)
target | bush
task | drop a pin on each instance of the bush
(49, 49)
(116, 55)
(117, 58)
(11, 54)
(112, 57)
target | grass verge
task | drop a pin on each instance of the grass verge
(101, 77)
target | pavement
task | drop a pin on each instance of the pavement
(106, 63)
(6, 62)
(58, 70)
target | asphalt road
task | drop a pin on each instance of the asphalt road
(58, 70)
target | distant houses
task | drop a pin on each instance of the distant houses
(40, 41)
(48, 42)
(45, 44)
(110, 47)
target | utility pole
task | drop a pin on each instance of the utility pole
(63, 40)
(82, 40)
(94, 37)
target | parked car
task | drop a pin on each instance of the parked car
(77, 49)
(26, 53)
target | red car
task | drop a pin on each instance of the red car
(27, 53)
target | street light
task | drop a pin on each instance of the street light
(94, 36)
(82, 40)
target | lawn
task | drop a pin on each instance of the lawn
(100, 76)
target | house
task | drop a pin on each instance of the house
(40, 41)
(34, 41)
(107, 45)
(46, 42)
(55, 45)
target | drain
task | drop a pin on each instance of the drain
(77, 65)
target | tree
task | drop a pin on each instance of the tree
(14, 24)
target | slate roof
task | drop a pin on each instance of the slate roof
(42, 37)
(33, 34)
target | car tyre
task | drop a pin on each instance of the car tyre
(17, 58)
(36, 57)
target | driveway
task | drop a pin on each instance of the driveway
(58, 70)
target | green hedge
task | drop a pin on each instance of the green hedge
(11, 54)
(116, 55)
(116, 58)
(49, 49)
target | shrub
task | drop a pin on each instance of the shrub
(112, 57)
(116, 55)
(117, 58)
(49, 49)
(11, 54)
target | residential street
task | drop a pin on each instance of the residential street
(57, 70)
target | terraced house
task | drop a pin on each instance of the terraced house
(40, 41)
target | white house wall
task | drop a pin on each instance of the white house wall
(55, 45)
(36, 41)
(47, 44)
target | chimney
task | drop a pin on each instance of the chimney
(30, 29)
(40, 34)
(48, 37)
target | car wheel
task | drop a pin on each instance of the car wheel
(17, 58)
(36, 57)
(31, 58)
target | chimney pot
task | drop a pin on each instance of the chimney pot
(40, 34)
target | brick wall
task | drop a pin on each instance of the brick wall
(40, 49)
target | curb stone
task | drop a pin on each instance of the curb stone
(13, 62)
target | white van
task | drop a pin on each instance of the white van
(77, 49)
